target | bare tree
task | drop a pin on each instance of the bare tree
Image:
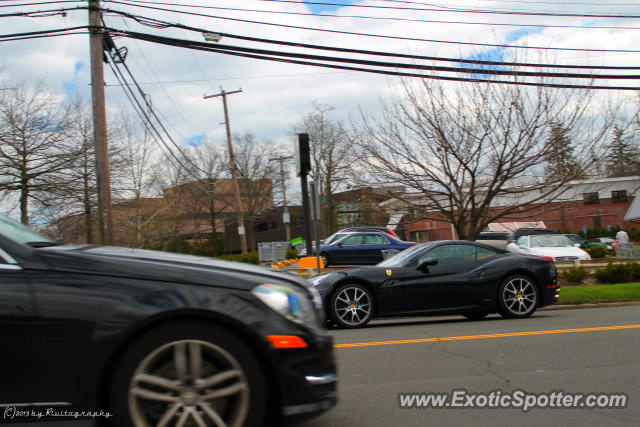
(136, 181)
(35, 149)
(332, 156)
(470, 154)
(255, 173)
(170, 178)
(211, 193)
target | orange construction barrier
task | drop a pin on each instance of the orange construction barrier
(310, 262)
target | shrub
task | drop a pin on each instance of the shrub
(575, 276)
(213, 246)
(618, 273)
(635, 270)
(250, 258)
(597, 251)
(179, 245)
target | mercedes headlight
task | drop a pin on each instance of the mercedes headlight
(289, 302)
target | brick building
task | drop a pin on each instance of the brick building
(589, 204)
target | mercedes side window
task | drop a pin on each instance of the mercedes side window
(523, 241)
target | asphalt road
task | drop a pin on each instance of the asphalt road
(601, 360)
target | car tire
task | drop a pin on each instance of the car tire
(518, 297)
(195, 372)
(326, 261)
(476, 315)
(351, 306)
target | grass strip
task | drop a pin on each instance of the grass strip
(600, 293)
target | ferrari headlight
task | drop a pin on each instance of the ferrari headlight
(287, 301)
(315, 281)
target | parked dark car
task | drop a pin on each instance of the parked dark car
(157, 338)
(530, 232)
(444, 277)
(370, 228)
(341, 233)
(499, 239)
(585, 244)
(361, 248)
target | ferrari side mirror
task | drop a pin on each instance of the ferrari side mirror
(427, 262)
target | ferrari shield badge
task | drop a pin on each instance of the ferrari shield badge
(388, 272)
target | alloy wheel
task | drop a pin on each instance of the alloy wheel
(519, 296)
(352, 306)
(189, 383)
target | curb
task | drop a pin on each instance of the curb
(590, 305)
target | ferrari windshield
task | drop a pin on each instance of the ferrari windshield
(401, 258)
(550, 241)
(20, 233)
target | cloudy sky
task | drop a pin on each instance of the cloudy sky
(274, 94)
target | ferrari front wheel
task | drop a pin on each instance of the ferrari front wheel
(351, 306)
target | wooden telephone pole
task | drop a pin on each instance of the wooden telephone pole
(96, 48)
(234, 173)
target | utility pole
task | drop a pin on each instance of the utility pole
(285, 214)
(96, 48)
(234, 173)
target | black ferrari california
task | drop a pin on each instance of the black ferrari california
(437, 278)
(142, 338)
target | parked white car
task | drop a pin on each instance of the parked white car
(555, 246)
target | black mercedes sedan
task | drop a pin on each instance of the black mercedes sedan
(143, 338)
(437, 278)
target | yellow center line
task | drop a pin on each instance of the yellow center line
(477, 337)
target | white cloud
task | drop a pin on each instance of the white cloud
(274, 94)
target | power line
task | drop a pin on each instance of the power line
(521, 1)
(443, 9)
(352, 33)
(151, 110)
(427, 21)
(163, 88)
(211, 48)
(381, 63)
(162, 24)
(42, 3)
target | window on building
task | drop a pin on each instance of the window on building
(591, 199)
(420, 236)
(619, 196)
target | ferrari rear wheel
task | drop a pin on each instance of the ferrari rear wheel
(518, 297)
(351, 306)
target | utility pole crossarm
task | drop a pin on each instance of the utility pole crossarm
(222, 93)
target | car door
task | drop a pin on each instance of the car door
(374, 244)
(16, 338)
(452, 283)
(348, 251)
